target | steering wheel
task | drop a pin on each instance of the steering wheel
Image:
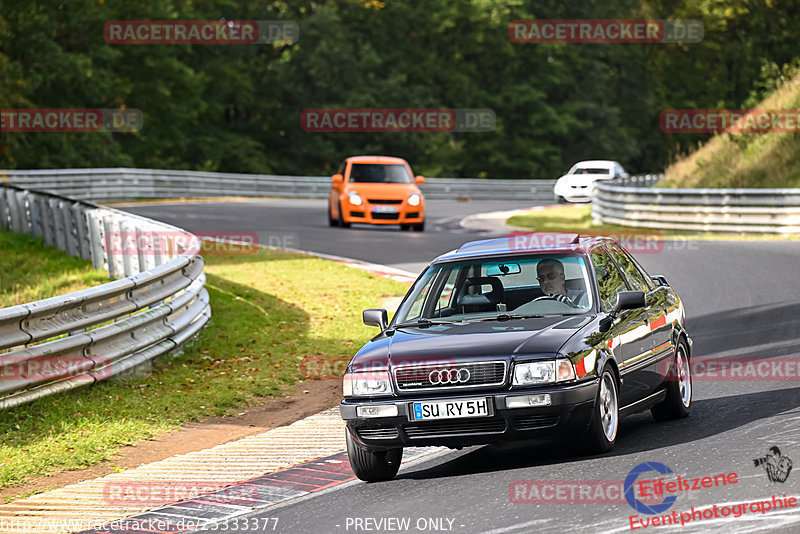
(554, 297)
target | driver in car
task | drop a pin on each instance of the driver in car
(550, 273)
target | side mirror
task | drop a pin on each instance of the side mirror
(420, 179)
(376, 317)
(338, 178)
(629, 300)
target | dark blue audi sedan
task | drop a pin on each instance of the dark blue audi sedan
(536, 337)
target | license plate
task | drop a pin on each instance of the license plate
(385, 209)
(450, 409)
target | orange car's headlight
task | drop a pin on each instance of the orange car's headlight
(414, 199)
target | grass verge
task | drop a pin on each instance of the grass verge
(31, 271)
(578, 218)
(271, 311)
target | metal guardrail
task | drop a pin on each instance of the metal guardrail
(126, 184)
(76, 339)
(709, 210)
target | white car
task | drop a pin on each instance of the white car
(578, 183)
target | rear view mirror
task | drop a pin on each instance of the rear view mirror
(420, 179)
(338, 178)
(376, 317)
(630, 300)
(502, 269)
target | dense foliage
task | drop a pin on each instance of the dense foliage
(236, 108)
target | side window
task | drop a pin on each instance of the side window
(635, 278)
(609, 279)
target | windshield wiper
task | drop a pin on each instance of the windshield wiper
(508, 317)
(423, 323)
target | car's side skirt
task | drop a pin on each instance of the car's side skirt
(643, 404)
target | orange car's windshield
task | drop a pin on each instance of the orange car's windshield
(379, 173)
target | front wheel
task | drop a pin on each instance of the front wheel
(341, 218)
(419, 227)
(679, 388)
(602, 434)
(373, 466)
(331, 220)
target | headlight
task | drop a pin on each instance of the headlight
(355, 199)
(414, 200)
(543, 372)
(366, 384)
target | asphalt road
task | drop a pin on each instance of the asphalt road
(741, 300)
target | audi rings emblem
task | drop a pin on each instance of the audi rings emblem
(441, 377)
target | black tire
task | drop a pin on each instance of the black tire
(561, 200)
(678, 401)
(341, 218)
(604, 426)
(331, 220)
(405, 227)
(373, 466)
(419, 227)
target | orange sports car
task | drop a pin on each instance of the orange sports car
(376, 190)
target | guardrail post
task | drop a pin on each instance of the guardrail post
(35, 202)
(70, 231)
(95, 241)
(81, 231)
(58, 224)
(129, 266)
(15, 208)
(5, 211)
(109, 246)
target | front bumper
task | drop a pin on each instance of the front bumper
(366, 214)
(568, 416)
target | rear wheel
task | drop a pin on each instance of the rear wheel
(341, 217)
(602, 434)
(373, 466)
(679, 388)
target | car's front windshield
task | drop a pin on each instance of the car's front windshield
(499, 288)
(591, 170)
(379, 173)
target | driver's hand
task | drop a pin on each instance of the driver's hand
(563, 298)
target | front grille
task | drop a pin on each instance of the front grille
(385, 215)
(435, 429)
(412, 215)
(378, 433)
(356, 214)
(480, 374)
(531, 422)
(373, 201)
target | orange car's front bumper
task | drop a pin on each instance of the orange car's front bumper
(384, 214)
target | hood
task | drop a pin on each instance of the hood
(383, 191)
(472, 341)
